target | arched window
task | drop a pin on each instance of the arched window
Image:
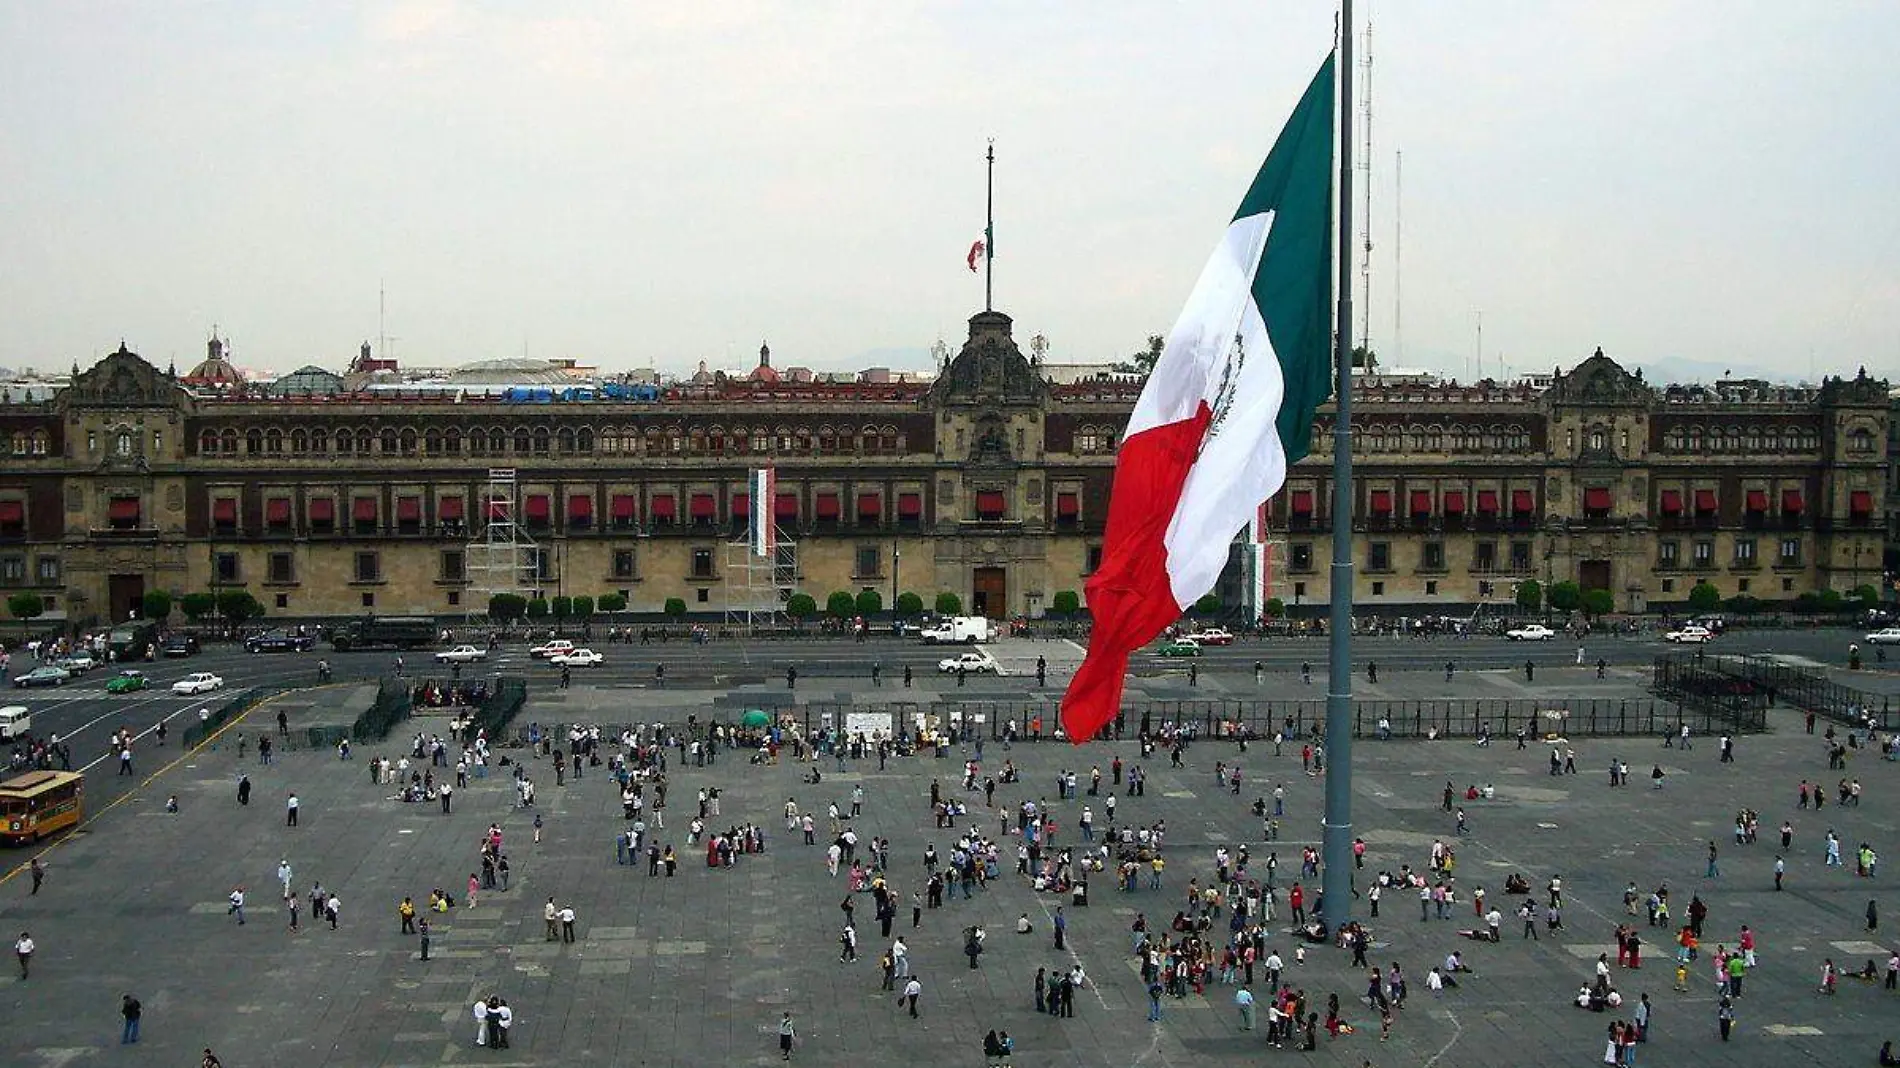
(541, 441)
(123, 442)
(1860, 440)
(227, 442)
(253, 442)
(1754, 439)
(388, 437)
(741, 439)
(432, 442)
(888, 440)
(696, 440)
(801, 439)
(566, 439)
(1418, 439)
(584, 440)
(1435, 438)
(364, 441)
(868, 439)
(675, 441)
(497, 441)
(207, 442)
(1695, 439)
(716, 439)
(827, 439)
(1771, 440)
(319, 441)
(523, 440)
(1598, 440)
(299, 441)
(273, 441)
(408, 441)
(452, 441)
(654, 441)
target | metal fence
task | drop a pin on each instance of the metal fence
(394, 700)
(501, 706)
(1769, 681)
(212, 719)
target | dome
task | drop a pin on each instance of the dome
(510, 372)
(216, 369)
(308, 380)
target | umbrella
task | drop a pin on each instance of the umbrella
(755, 718)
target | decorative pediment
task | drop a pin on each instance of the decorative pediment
(1600, 380)
(123, 380)
(990, 369)
(1854, 392)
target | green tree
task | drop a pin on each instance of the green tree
(675, 607)
(801, 606)
(507, 607)
(538, 608)
(949, 604)
(1598, 602)
(909, 604)
(562, 607)
(1530, 595)
(841, 605)
(1364, 359)
(612, 602)
(1743, 605)
(870, 602)
(1566, 596)
(24, 607)
(1704, 597)
(1065, 603)
(583, 607)
(1275, 608)
(1865, 596)
(156, 605)
(1830, 600)
(1207, 605)
(1144, 361)
(197, 605)
(238, 605)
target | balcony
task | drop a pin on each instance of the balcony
(124, 534)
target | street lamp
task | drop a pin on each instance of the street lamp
(896, 555)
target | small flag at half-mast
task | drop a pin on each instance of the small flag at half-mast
(977, 249)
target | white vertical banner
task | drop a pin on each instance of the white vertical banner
(1263, 559)
(764, 513)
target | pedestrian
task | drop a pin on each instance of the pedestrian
(1873, 916)
(423, 931)
(130, 1009)
(1243, 998)
(567, 924)
(332, 908)
(290, 811)
(1725, 1017)
(23, 952)
(1713, 871)
(912, 991)
(236, 905)
(787, 1035)
(481, 1021)
(1061, 925)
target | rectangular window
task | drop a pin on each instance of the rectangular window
(623, 563)
(454, 565)
(1669, 585)
(1520, 556)
(455, 596)
(702, 595)
(1431, 588)
(48, 570)
(13, 570)
(280, 568)
(1094, 562)
(868, 562)
(1302, 556)
(1669, 553)
(1790, 552)
(1744, 550)
(1379, 556)
(368, 567)
(123, 513)
(225, 567)
(1704, 553)
(702, 563)
(283, 600)
(224, 514)
(1434, 557)
(1484, 556)
(1378, 589)
(1299, 590)
(543, 566)
(1741, 585)
(369, 599)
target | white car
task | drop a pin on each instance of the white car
(1536, 632)
(550, 650)
(198, 682)
(77, 663)
(967, 662)
(1689, 636)
(577, 658)
(1214, 636)
(1889, 636)
(462, 654)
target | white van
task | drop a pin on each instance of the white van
(15, 721)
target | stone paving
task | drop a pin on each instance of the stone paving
(696, 969)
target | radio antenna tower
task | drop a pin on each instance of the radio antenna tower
(1365, 193)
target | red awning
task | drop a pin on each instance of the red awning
(12, 512)
(1757, 500)
(1705, 500)
(498, 508)
(910, 505)
(786, 506)
(624, 506)
(741, 506)
(224, 510)
(1672, 502)
(662, 506)
(1068, 506)
(1421, 502)
(277, 510)
(1487, 502)
(448, 508)
(703, 506)
(1859, 502)
(409, 509)
(123, 508)
(580, 506)
(1454, 502)
(322, 510)
(1523, 502)
(1791, 501)
(540, 507)
(827, 506)
(990, 503)
(1302, 502)
(1381, 502)
(1597, 498)
(363, 509)
(870, 505)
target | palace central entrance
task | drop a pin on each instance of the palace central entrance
(989, 592)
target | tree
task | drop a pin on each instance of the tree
(562, 607)
(909, 604)
(612, 602)
(1743, 605)
(583, 607)
(1144, 361)
(1207, 605)
(1704, 597)
(949, 604)
(507, 607)
(1566, 596)
(156, 605)
(238, 605)
(801, 607)
(870, 602)
(25, 606)
(197, 605)
(1598, 602)
(1831, 600)
(675, 607)
(1865, 596)
(538, 608)
(841, 605)
(1530, 595)
(1364, 359)
(1275, 608)
(1065, 603)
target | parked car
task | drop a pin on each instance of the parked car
(46, 675)
(77, 663)
(969, 662)
(128, 681)
(550, 650)
(1689, 635)
(279, 641)
(180, 645)
(1536, 632)
(462, 654)
(577, 658)
(1180, 647)
(1889, 636)
(198, 682)
(1214, 636)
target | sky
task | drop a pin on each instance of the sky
(1697, 187)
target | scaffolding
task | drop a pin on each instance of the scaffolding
(757, 586)
(503, 557)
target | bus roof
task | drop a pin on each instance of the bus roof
(34, 782)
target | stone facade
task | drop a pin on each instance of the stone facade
(990, 483)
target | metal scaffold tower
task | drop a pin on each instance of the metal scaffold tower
(503, 557)
(757, 586)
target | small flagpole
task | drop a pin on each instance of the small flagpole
(1336, 880)
(989, 224)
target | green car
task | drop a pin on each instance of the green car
(1180, 647)
(128, 681)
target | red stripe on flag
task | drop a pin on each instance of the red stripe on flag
(1129, 596)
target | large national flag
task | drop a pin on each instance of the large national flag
(1227, 407)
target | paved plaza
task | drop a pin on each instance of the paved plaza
(697, 969)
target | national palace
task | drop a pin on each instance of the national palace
(327, 495)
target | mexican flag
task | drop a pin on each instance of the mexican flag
(1227, 407)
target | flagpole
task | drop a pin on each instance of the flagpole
(1336, 882)
(989, 222)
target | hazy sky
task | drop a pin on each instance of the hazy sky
(642, 183)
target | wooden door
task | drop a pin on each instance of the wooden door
(127, 594)
(989, 592)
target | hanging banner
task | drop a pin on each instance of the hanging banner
(764, 520)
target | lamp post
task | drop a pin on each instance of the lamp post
(896, 555)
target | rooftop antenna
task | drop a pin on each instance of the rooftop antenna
(1365, 194)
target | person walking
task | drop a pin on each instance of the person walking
(236, 905)
(1243, 999)
(1713, 871)
(38, 869)
(787, 1037)
(1725, 1018)
(912, 991)
(290, 811)
(130, 1009)
(567, 924)
(1061, 924)
(23, 952)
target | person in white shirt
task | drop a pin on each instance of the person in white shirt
(481, 1022)
(23, 951)
(237, 905)
(506, 1018)
(912, 991)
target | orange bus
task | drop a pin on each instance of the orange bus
(38, 803)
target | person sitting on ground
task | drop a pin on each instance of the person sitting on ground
(1887, 1057)
(1022, 924)
(1868, 973)
(1517, 884)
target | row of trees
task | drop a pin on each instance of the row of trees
(1703, 597)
